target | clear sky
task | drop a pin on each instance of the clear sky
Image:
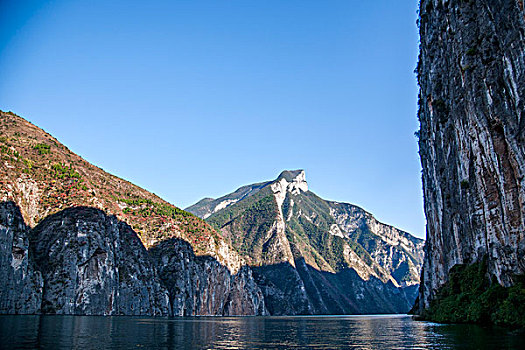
(192, 99)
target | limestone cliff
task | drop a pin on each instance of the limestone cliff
(471, 74)
(81, 261)
(200, 285)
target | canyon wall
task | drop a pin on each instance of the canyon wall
(471, 73)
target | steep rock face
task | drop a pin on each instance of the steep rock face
(397, 252)
(21, 286)
(81, 261)
(471, 74)
(92, 264)
(43, 178)
(283, 288)
(200, 285)
(311, 256)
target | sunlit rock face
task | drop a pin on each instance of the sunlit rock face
(471, 74)
(398, 253)
(312, 256)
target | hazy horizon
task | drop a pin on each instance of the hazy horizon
(196, 99)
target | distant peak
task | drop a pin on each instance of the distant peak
(293, 181)
(293, 175)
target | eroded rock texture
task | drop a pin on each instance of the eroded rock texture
(93, 264)
(81, 261)
(200, 285)
(20, 282)
(471, 109)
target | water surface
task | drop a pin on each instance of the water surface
(315, 332)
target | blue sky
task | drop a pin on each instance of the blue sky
(192, 99)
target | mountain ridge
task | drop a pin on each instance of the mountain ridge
(69, 180)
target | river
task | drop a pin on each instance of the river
(298, 332)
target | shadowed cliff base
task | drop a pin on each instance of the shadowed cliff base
(304, 290)
(21, 287)
(81, 261)
(200, 285)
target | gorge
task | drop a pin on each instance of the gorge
(76, 240)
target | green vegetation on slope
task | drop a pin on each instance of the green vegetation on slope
(249, 222)
(224, 216)
(155, 207)
(314, 237)
(315, 232)
(36, 166)
(471, 297)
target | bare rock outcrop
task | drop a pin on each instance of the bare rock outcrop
(93, 264)
(81, 261)
(21, 282)
(471, 74)
(200, 285)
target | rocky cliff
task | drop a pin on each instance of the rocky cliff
(73, 240)
(93, 264)
(200, 285)
(21, 288)
(471, 74)
(312, 256)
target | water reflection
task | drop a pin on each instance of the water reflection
(343, 332)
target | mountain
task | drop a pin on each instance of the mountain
(471, 74)
(313, 256)
(77, 240)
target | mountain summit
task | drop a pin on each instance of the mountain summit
(295, 176)
(288, 181)
(313, 256)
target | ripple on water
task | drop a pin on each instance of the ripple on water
(313, 332)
